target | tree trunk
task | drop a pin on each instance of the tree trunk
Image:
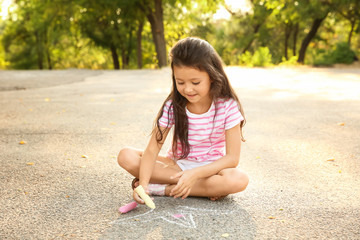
(296, 30)
(305, 43)
(138, 45)
(39, 51)
(256, 30)
(115, 57)
(351, 32)
(157, 30)
(124, 58)
(48, 59)
(129, 47)
(288, 28)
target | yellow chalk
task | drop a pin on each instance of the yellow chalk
(140, 190)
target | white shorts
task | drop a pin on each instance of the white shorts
(186, 164)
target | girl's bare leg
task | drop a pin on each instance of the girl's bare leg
(130, 158)
(228, 181)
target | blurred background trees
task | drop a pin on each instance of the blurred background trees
(123, 34)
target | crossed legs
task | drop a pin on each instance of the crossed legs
(227, 181)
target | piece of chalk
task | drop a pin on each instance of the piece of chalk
(140, 190)
(128, 207)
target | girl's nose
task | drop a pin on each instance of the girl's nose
(188, 89)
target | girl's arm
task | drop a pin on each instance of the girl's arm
(149, 157)
(229, 160)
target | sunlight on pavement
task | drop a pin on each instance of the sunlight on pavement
(294, 83)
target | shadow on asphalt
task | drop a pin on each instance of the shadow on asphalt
(15, 80)
(192, 218)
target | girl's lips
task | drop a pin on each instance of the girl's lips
(191, 96)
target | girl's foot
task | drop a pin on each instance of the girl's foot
(217, 198)
(153, 188)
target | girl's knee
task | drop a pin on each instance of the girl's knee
(237, 180)
(125, 156)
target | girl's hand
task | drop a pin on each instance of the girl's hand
(186, 181)
(137, 198)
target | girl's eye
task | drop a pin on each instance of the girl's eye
(196, 83)
(180, 83)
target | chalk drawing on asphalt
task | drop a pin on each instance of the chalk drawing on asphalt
(181, 215)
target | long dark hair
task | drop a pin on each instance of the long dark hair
(199, 54)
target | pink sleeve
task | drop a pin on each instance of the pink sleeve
(167, 118)
(232, 114)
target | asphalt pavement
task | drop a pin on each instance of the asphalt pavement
(60, 133)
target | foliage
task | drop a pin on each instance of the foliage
(110, 25)
(260, 58)
(342, 53)
(3, 63)
(53, 34)
(292, 61)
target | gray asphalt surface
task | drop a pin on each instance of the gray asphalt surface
(302, 155)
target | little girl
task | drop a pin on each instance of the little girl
(207, 119)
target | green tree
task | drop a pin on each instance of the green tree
(349, 10)
(193, 18)
(3, 63)
(153, 10)
(32, 31)
(251, 23)
(286, 17)
(111, 25)
(316, 11)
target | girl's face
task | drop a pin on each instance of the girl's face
(193, 84)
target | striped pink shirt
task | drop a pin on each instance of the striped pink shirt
(206, 135)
